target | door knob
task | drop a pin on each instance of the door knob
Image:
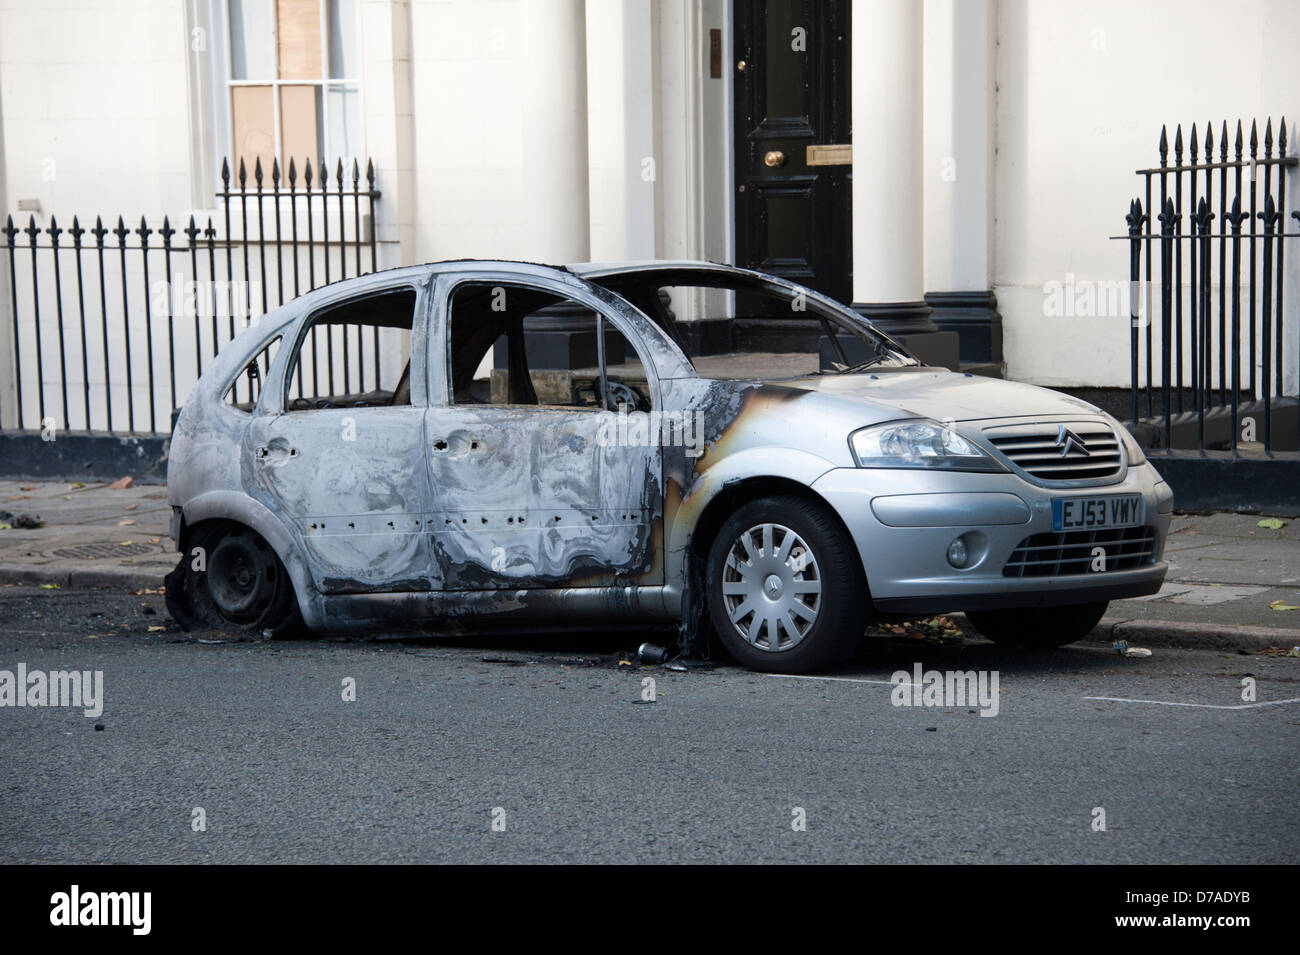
(774, 158)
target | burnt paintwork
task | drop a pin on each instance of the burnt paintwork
(475, 516)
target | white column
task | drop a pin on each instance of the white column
(557, 225)
(959, 103)
(887, 152)
(621, 102)
(385, 45)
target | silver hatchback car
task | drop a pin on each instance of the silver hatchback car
(483, 446)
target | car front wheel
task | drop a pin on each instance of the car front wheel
(1038, 628)
(785, 591)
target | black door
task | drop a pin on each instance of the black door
(793, 204)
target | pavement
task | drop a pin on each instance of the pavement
(1228, 575)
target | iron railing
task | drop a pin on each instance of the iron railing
(78, 361)
(1207, 306)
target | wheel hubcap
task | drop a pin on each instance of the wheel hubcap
(771, 587)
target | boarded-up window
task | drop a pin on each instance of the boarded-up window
(293, 89)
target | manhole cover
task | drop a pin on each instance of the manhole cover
(100, 551)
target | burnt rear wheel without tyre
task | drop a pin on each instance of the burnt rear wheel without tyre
(1038, 628)
(230, 578)
(785, 589)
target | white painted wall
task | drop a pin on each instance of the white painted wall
(1082, 92)
(95, 106)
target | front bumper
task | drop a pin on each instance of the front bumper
(902, 522)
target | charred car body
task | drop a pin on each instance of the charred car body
(483, 446)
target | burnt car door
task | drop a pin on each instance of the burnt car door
(336, 447)
(544, 469)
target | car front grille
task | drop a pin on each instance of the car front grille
(1069, 451)
(1073, 552)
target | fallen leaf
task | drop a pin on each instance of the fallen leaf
(1272, 523)
(121, 484)
(28, 487)
(125, 523)
(74, 485)
(49, 586)
(155, 540)
(156, 629)
(130, 507)
(1279, 605)
(125, 543)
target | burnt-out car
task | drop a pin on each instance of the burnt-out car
(483, 446)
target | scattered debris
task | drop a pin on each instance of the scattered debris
(507, 661)
(126, 523)
(938, 629)
(1272, 523)
(1279, 605)
(651, 653)
(157, 629)
(148, 610)
(99, 727)
(49, 586)
(130, 507)
(27, 522)
(1137, 652)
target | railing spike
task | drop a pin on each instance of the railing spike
(1193, 144)
(225, 174)
(1281, 137)
(1254, 138)
(307, 173)
(1223, 142)
(1178, 145)
(1164, 146)
(257, 171)
(1237, 144)
(356, 174)
(275, 172)
(1268, 137)
(370, 173)
(1209, 141)
(293, 173)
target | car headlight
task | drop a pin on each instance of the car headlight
(917, 444)
(1132, 450)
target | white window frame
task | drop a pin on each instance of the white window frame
(220, 83)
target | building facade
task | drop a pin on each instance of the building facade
(955, 169)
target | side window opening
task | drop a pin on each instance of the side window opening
(355, 354)
(512, 345)
(741, 329)
(245, 389)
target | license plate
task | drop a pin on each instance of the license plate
(1089, 513)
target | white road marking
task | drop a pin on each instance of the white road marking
(1101, 699)
(835, 679)
(1201, 706)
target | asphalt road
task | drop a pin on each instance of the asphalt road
(258, 735)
